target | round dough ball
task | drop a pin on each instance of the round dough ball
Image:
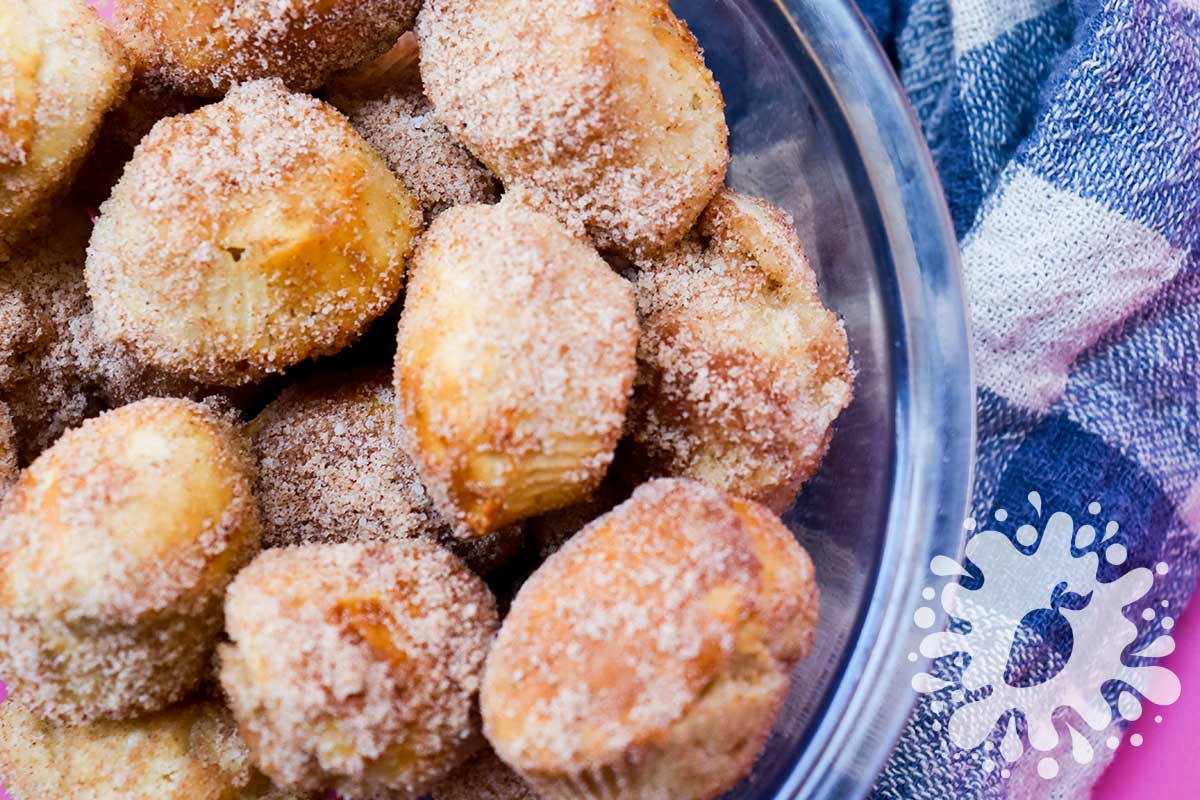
(203, 47)
(642, 658)
(516, 358)
(742, 371)
(398, 122)
(8, 451)
(187, 752)
(603, 113)
(330, 471)
(248, 236)
(484, 777)
(55, 371)
(117, 545)
(356, 666)
(60, 72)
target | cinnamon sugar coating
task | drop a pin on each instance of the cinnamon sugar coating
(331, 470)
(654, 628)
(248, 236)
(55, 371)
(60, 71)
(515, 362)
(357, 666)
(116, 546)
(389, 109)
(204, 47)
(484, 777)
(599, 111)
(742, 371)
(191, 751)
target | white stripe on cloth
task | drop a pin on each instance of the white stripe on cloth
(978, 22)
(1047, 273)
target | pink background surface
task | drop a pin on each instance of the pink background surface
(1167, 765)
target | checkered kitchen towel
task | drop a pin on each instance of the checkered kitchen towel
(1067, 134)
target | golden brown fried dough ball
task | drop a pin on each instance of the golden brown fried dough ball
(187, 752)
(357, 666)
(60, 71)
(55, 371)
(741, 368)
(603, 113)
(248, 236)
(116, 546)
(331, 470)
(643, 659)
(515, 362)
(484, 777)
(8, 451)
(397, 120)
(203, 47)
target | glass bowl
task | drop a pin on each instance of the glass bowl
(820, 127)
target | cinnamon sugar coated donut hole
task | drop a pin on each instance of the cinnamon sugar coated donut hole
(55, 370)
(600, 111)
(330, 471)
(356, 666)
(742, 371)
(640, 661)
(484, 777)
(515, 362)
(205, 46)
(116, 546)
(8, 451)
(187, 752)
(248, 236)
(60, 71)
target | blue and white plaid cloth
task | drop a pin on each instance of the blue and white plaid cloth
(1067, 135)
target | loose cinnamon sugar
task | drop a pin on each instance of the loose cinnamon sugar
(8, 451)
(357, 665)
(206, 46)
(330, 470)
(484, 777)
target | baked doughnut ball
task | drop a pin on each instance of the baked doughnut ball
(516, 358)
(484, 777)
(116, 546)
(187, 752)
(741, 368)
(248, 236)
(356, 666)
(397, 120)
(604, 114)
(205, 46)
(8, 451)
(55, 371)
(60, 71)
(643, 660)
(330, 471)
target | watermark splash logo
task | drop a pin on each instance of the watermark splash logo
(1041, 595)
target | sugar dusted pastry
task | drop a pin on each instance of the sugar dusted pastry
(205, 46)
(356, 666)
(515, 362)
(190, 751)
(330, 470)
(60, 71)
(8, 451)
(55, 371)
(741, 368)
(602, 112)
(395, 117)
(484, 777)
(649, 657)
(116, 546)
(248, 236)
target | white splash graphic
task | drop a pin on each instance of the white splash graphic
(1052, 589)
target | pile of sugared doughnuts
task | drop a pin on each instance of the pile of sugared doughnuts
(424, 441)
